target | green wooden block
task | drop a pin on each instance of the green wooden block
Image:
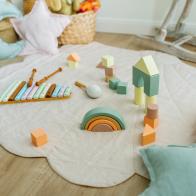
(137, 77)
(113, 83)
(122, 88)
(151, 85)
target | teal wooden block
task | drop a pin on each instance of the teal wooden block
(113, 83)
(122, 88)
(151, 85)
(137, 77)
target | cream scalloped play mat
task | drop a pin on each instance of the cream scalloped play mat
(97, 159)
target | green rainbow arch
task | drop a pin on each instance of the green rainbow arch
(103, 111)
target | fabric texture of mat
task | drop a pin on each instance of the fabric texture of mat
(97, 159)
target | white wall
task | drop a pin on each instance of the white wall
(138, 16)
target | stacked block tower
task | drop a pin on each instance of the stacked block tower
(146, 81)
(107, 63)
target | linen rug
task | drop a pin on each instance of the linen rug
(97, 159)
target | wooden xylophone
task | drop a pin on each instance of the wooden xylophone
(19, 92)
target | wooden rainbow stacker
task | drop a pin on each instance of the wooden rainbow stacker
(19, 92)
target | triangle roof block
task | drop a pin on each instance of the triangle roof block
(147, 65)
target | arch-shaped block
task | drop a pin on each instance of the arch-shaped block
(145, 74)
(103, 111)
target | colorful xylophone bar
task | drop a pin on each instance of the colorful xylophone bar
(19, 92)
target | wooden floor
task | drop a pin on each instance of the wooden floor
(33, 176)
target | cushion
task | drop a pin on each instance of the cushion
(10, 50)
(40, 28)
(8, 10)
(172, 170)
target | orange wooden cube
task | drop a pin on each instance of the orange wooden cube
(151, 122)
(148, 135)
(73, 57)
(39, 137)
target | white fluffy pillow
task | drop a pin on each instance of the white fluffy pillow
(40, 29)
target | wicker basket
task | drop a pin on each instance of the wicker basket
(80, 31)
(7, 32)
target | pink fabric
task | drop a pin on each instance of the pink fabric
(40, 29)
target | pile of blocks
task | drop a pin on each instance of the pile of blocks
(119, 86)
(151, 121)
(73, 60)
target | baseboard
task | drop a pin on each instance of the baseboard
(131, 26)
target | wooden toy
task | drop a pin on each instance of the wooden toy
(139, 96)
(152, 111)
(151, 118)
(148, 136)
(34, 93)
(115, 123)
(21, 93)
(102, 128)
(151, 122)
(73, 57)
(107, 61)
(30, 82)
(39, 91)
(73, 60)
(122, 88)
(113, 83)
(109, 73)
(11, 91)
(50, 90)
(92, 91)
(39, 137)
(49, 76)
(146, 75)
(17, 90)
(100, 117)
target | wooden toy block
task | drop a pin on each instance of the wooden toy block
(100, 65)
(17, 90)
(108, 78)
(151, 85)
(107, 61)
(102, 128)
(152, 111)
(109, 71)
(148, 136)
(103, 118)
(72, 64)
(73, 57)
(39, 137)
(113, 83)
(122, 88)
(151, 100)
(50, 90)
(151, 122)
(102, 121)
(147, 65)
(139, 96)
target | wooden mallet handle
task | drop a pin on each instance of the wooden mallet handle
(30, 82)
(80, 85)
(49, 76)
